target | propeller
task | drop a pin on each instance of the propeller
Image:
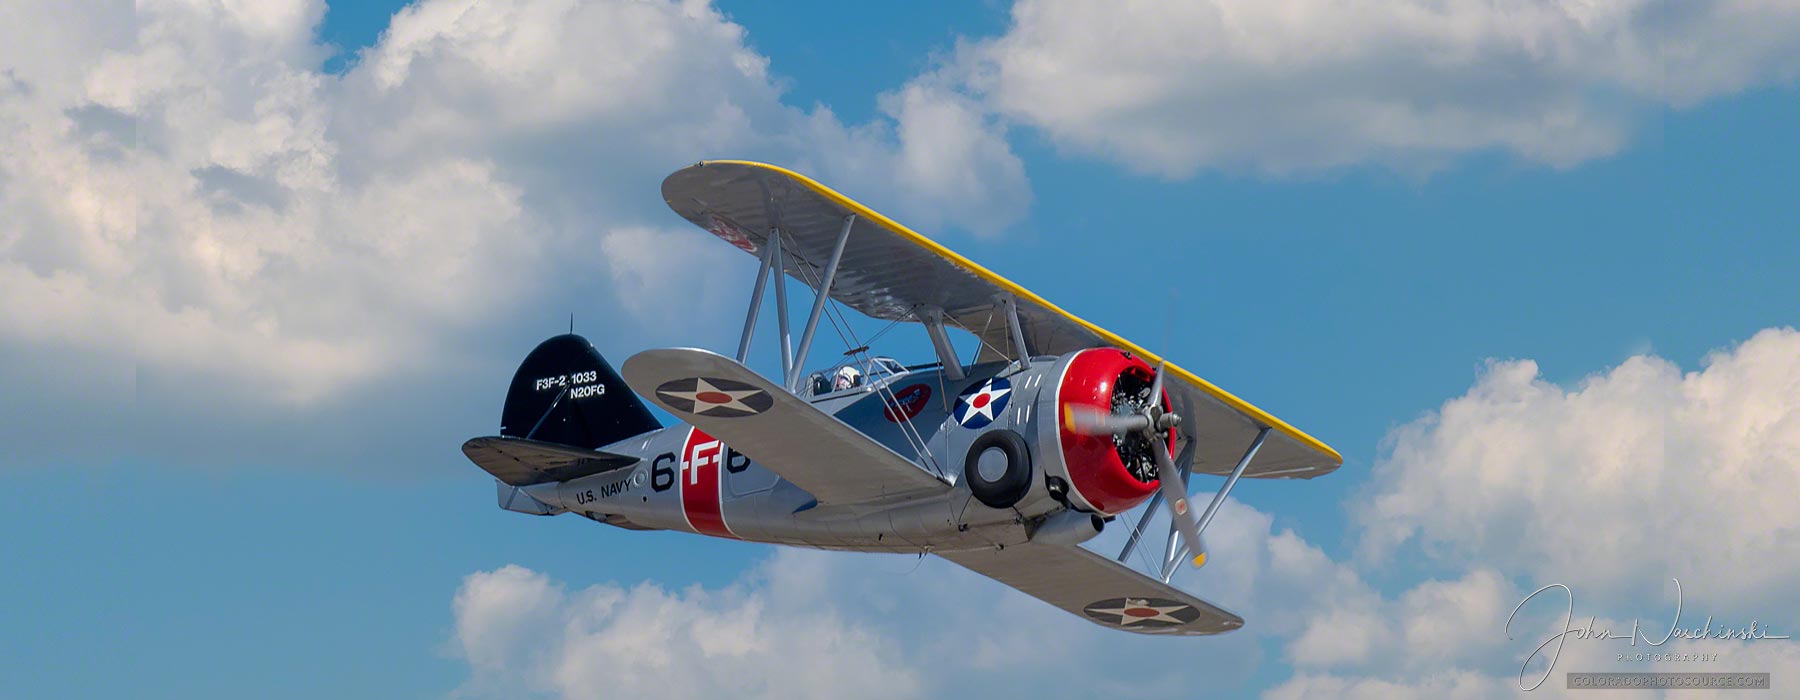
(1089, 420)
(1151, 422)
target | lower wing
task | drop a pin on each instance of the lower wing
(779, 430)
(1097, 589)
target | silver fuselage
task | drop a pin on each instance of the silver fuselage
(670, 487)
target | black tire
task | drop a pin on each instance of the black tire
(1013, 481)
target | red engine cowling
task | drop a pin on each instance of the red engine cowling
(1105, 474)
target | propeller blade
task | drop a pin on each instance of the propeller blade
(1156, 384)
(1090, 420)
(1173, 489)
(1175, 499)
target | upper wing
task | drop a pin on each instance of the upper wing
(782, 432)
(890, 272)
(521, 462)
(1098, 589)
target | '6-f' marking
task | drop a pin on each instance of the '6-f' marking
(702, 491)
(662, 468)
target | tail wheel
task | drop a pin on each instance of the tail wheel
(998, 468)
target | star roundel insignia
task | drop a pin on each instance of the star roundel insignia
(711, 396)
(979, 405)
(1142, 612)
(732, 233)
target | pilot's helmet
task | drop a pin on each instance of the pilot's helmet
(847, 377)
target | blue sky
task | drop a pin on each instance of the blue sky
(252, 484)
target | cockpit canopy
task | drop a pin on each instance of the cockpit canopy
(851, 374)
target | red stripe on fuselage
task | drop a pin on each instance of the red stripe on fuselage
(700, 480)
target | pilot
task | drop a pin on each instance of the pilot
(847, 378)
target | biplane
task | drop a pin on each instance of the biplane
(1005, 464)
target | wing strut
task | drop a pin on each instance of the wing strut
(756, 295)
(1018, 332)
(1186, 460)
(781, 309)
(940, 341)
(792, 380)
(1179, 551)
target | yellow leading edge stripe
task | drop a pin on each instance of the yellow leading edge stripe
(1222, 395)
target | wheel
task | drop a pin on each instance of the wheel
(998, 468)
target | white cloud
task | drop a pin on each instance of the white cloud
(887, 625)
(519, 631)
(1429, 626)
(1445, 639)
(953, 164)
(1170, 88)
(1500, 674)
(189, 196)
(669, 270)
(1638, 475)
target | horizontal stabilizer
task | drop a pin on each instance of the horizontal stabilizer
(521, 462)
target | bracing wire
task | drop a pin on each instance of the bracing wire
(840, 324)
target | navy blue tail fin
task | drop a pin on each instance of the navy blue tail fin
(565, 393)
